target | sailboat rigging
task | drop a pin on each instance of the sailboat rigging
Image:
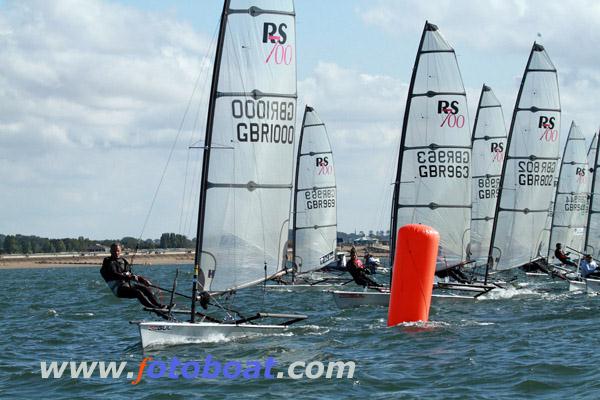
(245, 186)
(314, 233)
(527, 181)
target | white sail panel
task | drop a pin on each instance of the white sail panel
(433, 184)
(315, 225)
(571, 204)
(527, 184)
(592, 241)
(489, 143)
(248, 187)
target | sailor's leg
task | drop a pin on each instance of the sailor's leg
(147, 293)
(134, 293)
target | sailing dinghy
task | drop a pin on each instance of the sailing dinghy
(314, 209)
(592, 233)
(570, 212)
(527, 183)
(433, 181)
(489, 143)
(246, 175)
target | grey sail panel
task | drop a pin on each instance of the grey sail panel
(433, 181)
(592, 241)
(527, 184)
(315, 223)
(489, 143)
(571, 201)
(247, 188)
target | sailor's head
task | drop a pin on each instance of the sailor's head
(115, 249)
(588, 257)
(353, 252)
(558, 245)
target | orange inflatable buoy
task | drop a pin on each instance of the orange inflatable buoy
(412, 277)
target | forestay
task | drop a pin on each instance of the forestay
(592, 236)
(433, 181)
(315, 218)
(248, 160)
(489, 143)
(527, 182)
(571, 201)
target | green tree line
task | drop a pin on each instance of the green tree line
(22, 244)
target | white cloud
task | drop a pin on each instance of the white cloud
(93, 93)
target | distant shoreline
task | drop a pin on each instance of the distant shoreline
(95, 260)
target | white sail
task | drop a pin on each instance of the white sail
(571, 201)
(592, 237)
(433, 181)
(248, 160)
(489, 143)
(315, 217)
(527, 182)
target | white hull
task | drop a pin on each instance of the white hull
(592, 286)
(324, 286)
(172, 333)
(356, 299)
(577, 286)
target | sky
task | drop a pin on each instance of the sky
(94, 94)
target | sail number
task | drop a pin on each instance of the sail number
(444, 163)
(536, 173)
(319, 198)
(488, 187)
(576, 202)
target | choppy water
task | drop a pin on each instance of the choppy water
(539, 341)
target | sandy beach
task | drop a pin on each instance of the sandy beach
(95, 260)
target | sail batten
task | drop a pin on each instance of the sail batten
(434, 158)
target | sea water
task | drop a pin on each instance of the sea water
(536, 340)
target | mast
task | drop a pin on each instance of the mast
(550, 120)
(396, 195)
(206, 158)
(307, 109)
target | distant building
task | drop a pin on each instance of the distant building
(98, 248)
(366, 241)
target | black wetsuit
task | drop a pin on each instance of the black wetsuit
(114, 273)
(562, 257)
(360, 275)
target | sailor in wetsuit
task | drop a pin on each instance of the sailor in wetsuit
(562, 257)
(123, 283)
(356, 268)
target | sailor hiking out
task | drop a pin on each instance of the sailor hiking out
(116, 271)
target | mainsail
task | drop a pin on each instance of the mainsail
(315, 216)
(592, 234)
(527, 182)
(489, 143)
(571, 200)
(433, 180)
(249, 148)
